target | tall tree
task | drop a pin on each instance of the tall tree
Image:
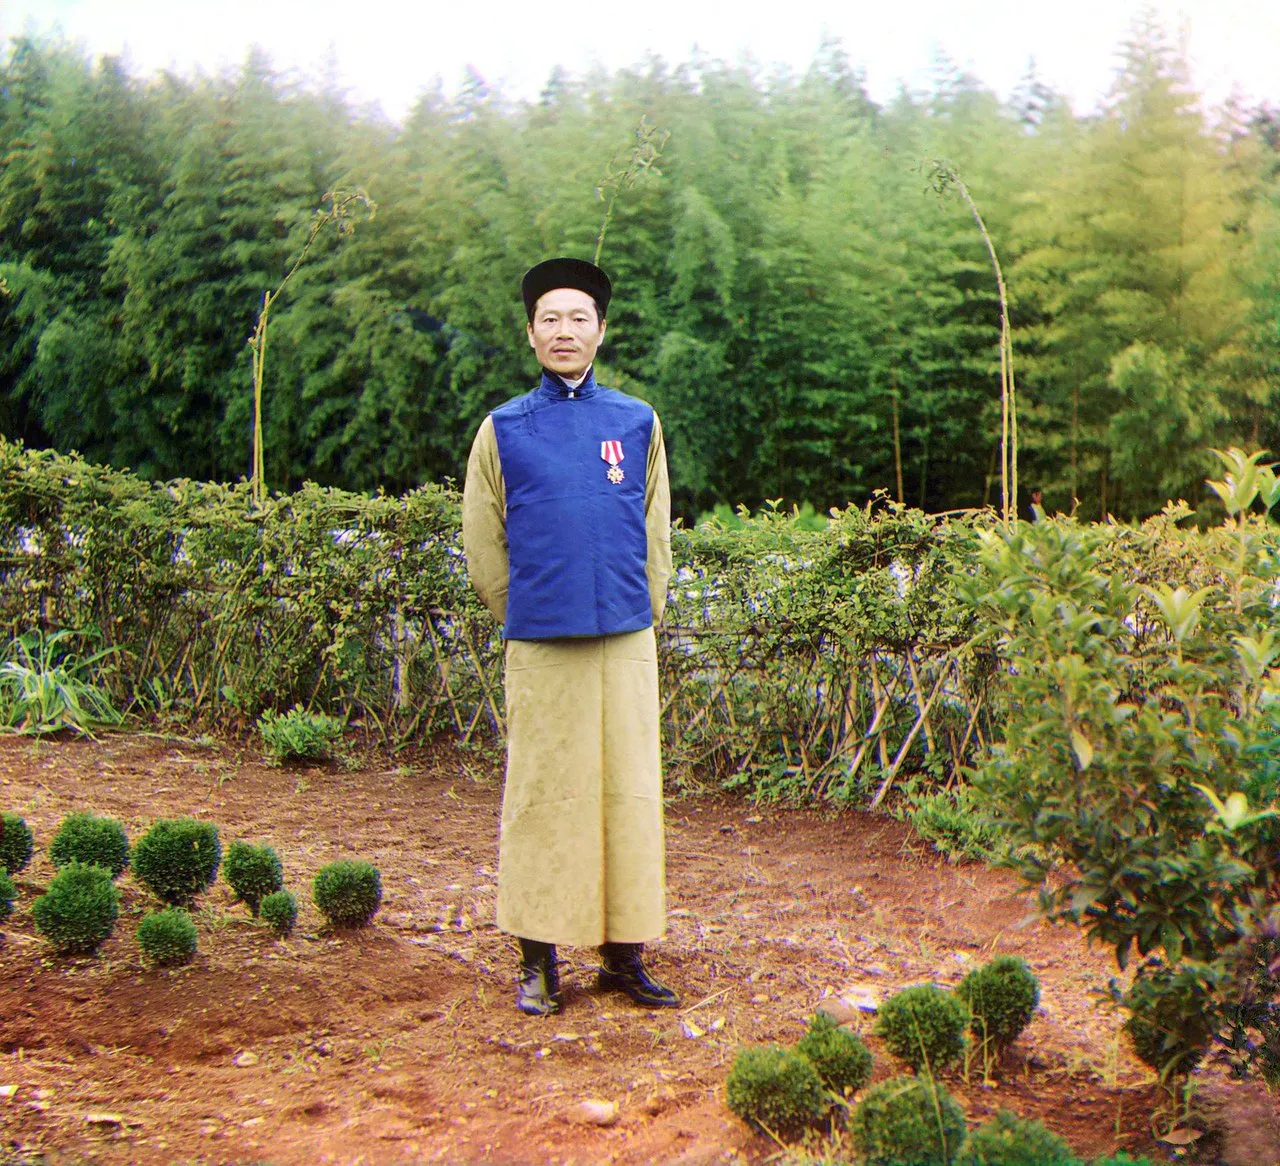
(1128, 263)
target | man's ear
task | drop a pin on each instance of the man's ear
(529, 332)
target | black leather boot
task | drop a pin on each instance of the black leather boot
(622, 967)
(538, 986)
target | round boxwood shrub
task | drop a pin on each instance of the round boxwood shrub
(1170, 1024)
(16, 843)
(280, 910)
(348, 892)
(167, 937)
(85, 838)
(1002, 997)
(254, 872)
(1009, 1140)
(842, 1060)
(1159, 1049)
(8, 893)
(776, 1089)
(177, 859)
(908, 1121)
(78, 911)
(924, 1026)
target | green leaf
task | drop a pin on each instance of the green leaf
(1082, 748)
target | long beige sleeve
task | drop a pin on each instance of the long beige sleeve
(657, 522)
(484, 522)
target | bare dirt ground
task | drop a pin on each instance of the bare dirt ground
(400, 1042)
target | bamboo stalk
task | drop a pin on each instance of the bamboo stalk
(915, 690)
(876, 686)
(902, 752)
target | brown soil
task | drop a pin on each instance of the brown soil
(400, 1043)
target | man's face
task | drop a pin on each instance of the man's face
(565, 332)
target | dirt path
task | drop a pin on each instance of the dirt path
(400, 1043)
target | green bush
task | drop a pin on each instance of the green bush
(16, 844)
(957, 824)
(1141, 738)
(923, 1026)
(167, 937)
(298, 735)
(280, 910)
(908, 1121)
(843, 1061)
(776, 1089)
(1172, 1018)
(1002, 997)
(85, 838)
(78, 911)
(8, 894)
(254, 872)
(1009, 1140)
(1123, 1159)
(177, 859)
(348, 892)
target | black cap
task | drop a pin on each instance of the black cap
(575, 273)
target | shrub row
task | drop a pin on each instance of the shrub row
(796, 662)
(779, 645)
(176, 860)
(907, 1119)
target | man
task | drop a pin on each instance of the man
(566, 528)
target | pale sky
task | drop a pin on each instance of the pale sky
(388, 51)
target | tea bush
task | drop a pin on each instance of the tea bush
(1139, 718)
(83, 837)
(16, 843)
(842, 1059)
(344, 601)
(908, 1121)
(1002, 997)
(776, 1089)
(923, 1026)
(280, 911)
(348, 892)
(298, 735)
(78, 911)
(1009, 1140)
(8, 895)
(785, 648)
(167, 937)
(177, 859)
(253, 872)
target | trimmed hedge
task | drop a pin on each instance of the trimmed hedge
(177, 859)
(78, 912)
(85, 837)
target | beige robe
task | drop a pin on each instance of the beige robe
(581, 856)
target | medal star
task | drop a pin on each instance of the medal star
(615, 474)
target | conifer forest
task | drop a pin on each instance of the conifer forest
(813, 318)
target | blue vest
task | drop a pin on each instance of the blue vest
(575, 538)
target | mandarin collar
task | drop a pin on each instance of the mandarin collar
(554, 386)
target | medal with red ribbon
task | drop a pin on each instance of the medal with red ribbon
(611, 451)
